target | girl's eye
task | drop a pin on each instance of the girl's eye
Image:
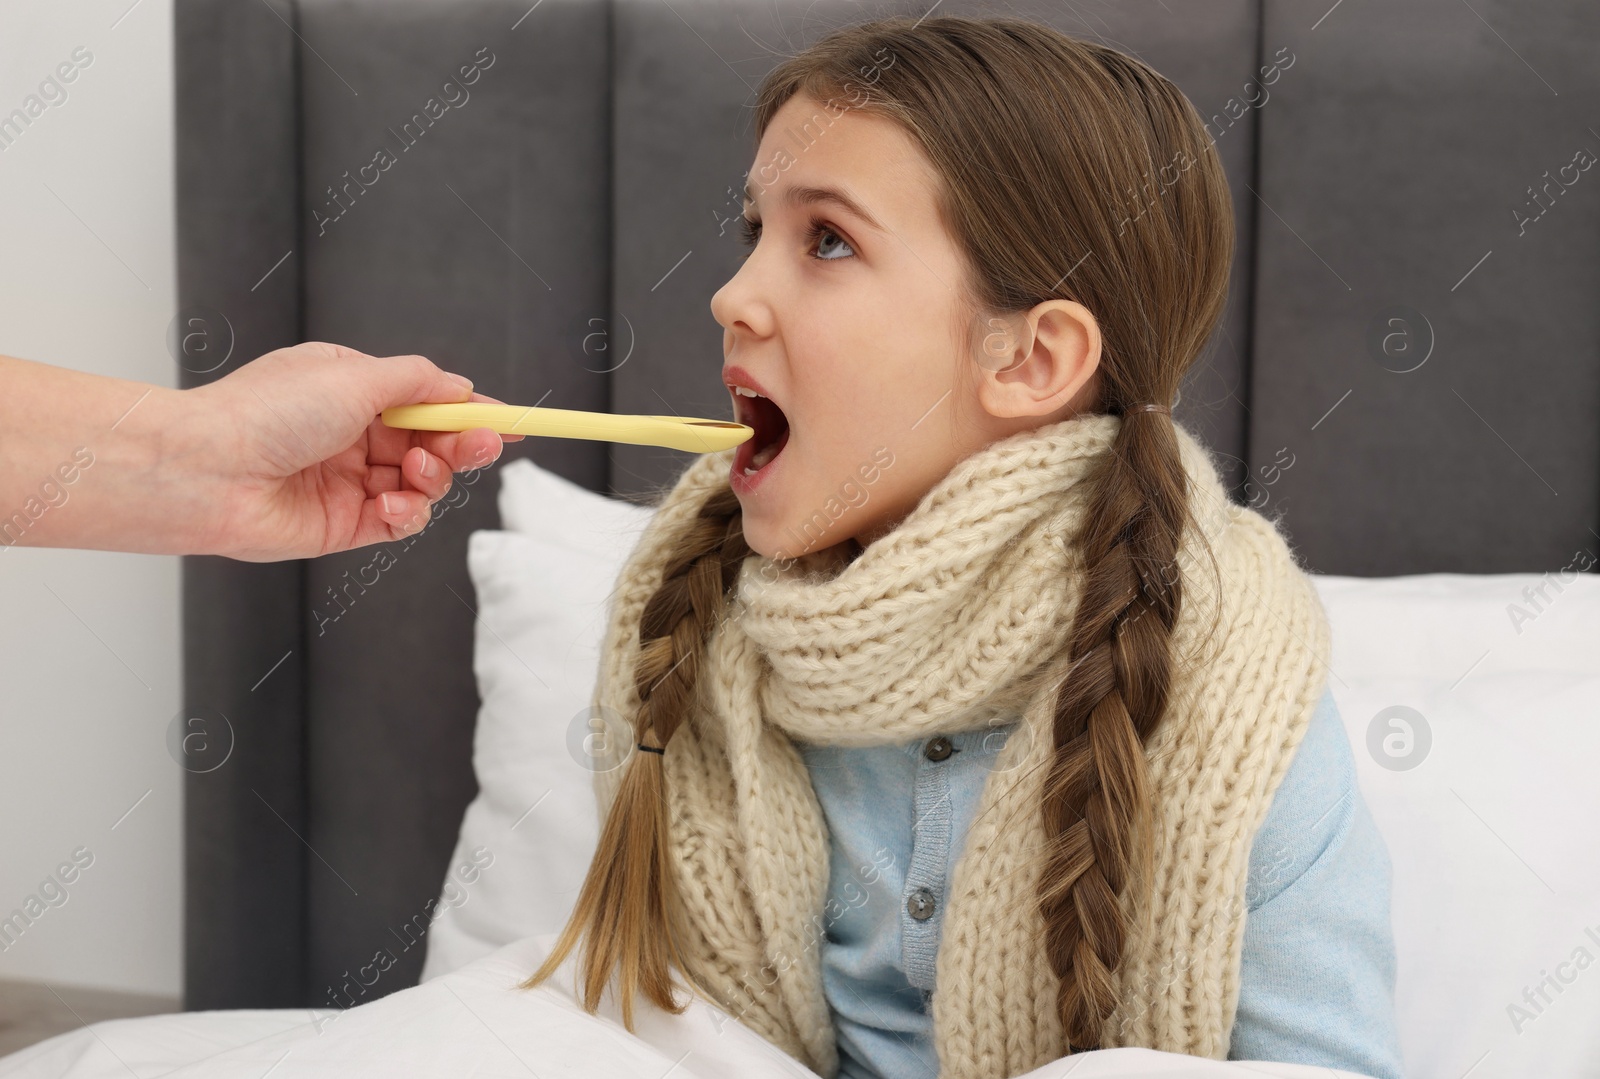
(819, 229)
(815, 231)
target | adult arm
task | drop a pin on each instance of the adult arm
(284, 457)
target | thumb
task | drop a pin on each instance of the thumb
(413, 380)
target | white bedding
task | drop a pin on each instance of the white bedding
(474, 1021)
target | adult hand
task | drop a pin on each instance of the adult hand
(302, 465)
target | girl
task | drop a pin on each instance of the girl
(962, 691)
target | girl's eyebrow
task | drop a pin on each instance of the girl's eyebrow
(805, 195)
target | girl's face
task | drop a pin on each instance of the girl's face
(847, 316)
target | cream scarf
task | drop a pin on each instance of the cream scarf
(924, 633)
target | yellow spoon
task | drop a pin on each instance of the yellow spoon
(673, 432)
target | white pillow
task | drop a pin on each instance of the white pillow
(1491, 832)
(527, 838)
(1492, 829)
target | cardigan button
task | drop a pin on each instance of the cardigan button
(920, 904)
(938, 749)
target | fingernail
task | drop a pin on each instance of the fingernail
(463, 379)
(388, 504)
(428, 467)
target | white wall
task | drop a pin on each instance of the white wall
(89, 641)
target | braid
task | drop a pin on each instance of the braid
(1096, 797)
(622, 910)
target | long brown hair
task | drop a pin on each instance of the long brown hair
(1054, 154)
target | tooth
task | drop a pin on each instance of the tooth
(743, 392)
(766, 453)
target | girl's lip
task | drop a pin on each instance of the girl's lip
(746, 484)
(734, 375)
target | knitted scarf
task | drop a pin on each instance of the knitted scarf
(925, 632)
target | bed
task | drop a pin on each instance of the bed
(1473, 747)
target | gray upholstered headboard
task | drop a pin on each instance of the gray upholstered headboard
(1410, 187)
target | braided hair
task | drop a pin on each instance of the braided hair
(623, 910)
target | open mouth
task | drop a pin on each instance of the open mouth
(771, 428)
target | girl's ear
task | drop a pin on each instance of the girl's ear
(1039, 363)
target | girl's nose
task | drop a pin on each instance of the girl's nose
(740, 305)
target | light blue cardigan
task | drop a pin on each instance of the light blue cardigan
(1317, 974)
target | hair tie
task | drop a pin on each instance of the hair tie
(1148, 408)
(653, 749)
